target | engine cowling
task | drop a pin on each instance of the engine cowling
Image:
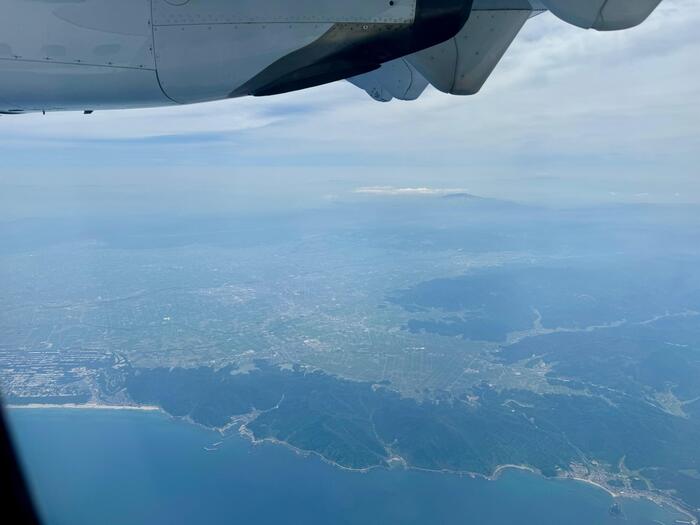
(603, 15)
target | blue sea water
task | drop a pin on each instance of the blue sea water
(127, 467)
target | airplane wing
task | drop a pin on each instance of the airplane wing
(104, 54)
(462, 64)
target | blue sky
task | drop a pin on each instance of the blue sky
(569, 117)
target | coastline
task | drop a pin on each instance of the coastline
(83, 406)
(248, 435)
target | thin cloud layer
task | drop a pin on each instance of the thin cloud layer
(389, 190)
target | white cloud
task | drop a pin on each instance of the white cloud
(389, 190)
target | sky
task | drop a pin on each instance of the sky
(570, 117)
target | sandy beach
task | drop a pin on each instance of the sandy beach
(85, 406)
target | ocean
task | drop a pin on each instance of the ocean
(134, 467)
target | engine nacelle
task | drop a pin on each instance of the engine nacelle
(603, 15)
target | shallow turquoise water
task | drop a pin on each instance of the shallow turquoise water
(127, 467)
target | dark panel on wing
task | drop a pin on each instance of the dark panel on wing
(350, 49)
